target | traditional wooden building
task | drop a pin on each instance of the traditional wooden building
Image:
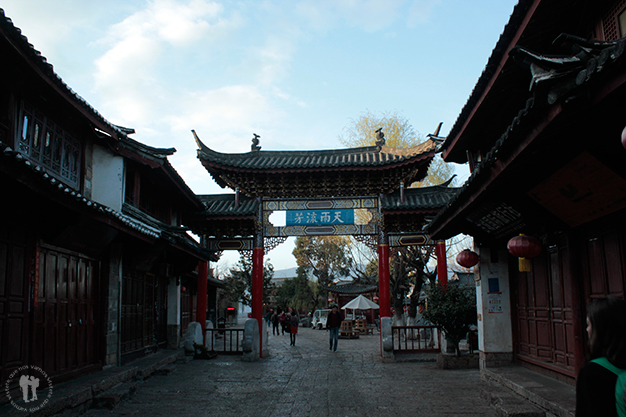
(93, 248)
(543, 133)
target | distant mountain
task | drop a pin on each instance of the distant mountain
(286, 273)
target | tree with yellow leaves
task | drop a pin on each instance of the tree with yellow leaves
(399, 133)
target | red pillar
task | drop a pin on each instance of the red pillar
(203, 274)
(257, 291)
(383, 280)
(442, 263)
(257, 276)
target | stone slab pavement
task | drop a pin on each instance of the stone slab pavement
(308, 380)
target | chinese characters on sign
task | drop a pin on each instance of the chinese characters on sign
(319, 217)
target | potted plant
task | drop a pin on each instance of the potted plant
(453, 309)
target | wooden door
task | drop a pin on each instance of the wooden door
(140, 314)
(14, 285)
(604, 260)
(65, 330)
(545, 305)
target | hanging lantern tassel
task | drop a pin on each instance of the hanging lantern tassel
(524, 264)
(524, 247)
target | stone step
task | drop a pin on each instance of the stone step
(165, 370)
(109, 399)
(184, 359)
(508, 404)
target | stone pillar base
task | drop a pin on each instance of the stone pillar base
(386, 339)
(495, 359)
(251, 341)
(173, 336)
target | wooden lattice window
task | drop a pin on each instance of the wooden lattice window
(614, 21)
(47, 144)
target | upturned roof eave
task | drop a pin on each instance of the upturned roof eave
(499, 58)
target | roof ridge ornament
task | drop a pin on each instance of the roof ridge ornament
(255, 143)
(435, 136)
(380, 138)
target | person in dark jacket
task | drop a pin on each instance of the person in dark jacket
(595, 385)
(275, 329)
(333, 322)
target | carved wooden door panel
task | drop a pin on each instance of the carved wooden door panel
(65, 330)
(544, 312)
(13, 306)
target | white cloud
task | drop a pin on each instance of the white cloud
(420, 11)
(367, 15)
(128, 73)
(225, 118)
(273, 59)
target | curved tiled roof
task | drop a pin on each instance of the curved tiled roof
(361, 171)
(559, 84)
(41, 63)
(424, 198)
(352, 288)
(223, 205)
(369, 156)
(135, 221)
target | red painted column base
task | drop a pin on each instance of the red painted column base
(257, 292)
(384, 297)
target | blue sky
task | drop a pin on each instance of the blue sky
(294, 72)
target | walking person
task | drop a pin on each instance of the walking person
(275, 329)
(283, 322)
(268, 318)
(293, 327)
(595, 385)
(333, 322)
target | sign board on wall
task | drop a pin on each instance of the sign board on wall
(494, 296)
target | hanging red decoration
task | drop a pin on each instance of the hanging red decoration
(624, 137)
(466, 258)
(524, 247)
(183, 289)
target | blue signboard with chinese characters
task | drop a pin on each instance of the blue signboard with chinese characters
(320, 217)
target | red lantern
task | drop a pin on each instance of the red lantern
(466, 258)
(524, 247)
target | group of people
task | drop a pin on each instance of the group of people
(288, 322)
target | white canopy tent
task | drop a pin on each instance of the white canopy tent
(360, 303)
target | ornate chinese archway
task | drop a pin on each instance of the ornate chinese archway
(316, 189)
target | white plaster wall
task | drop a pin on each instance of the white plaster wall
(494, 322)
(108, 178)
(173, 303)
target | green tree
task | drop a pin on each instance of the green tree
(297, 293)
(325, 257)
(238, 281)
(453, 309)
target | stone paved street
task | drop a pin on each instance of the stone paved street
(308, 380)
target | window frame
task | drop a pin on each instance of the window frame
(44, 142)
